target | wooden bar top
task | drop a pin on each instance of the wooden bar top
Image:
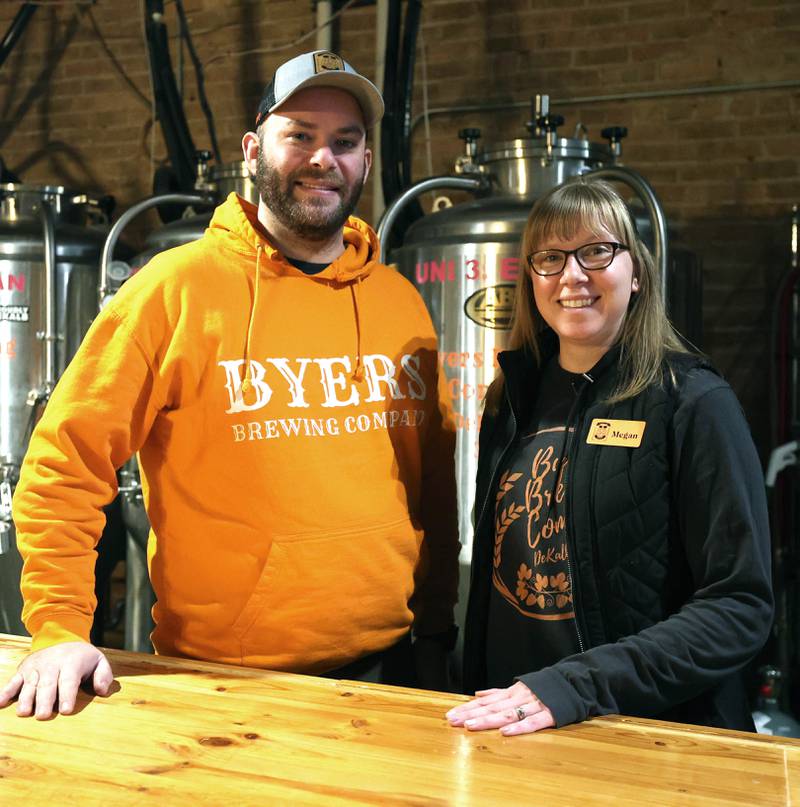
(176, 731)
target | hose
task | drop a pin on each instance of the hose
(201, 82)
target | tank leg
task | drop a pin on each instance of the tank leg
(139, 599)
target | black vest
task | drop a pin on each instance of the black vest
(628, 567)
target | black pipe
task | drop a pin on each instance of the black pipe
(201, 82)
(398, 90)
(169, 106)
(406, 92)
(390, 175)
(16, 29)
(6, 174)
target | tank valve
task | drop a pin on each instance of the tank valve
(614, 135)
(5, 537)
(467, 162)
(201, 182)
(543, 124)
(130, 487)
(8, 479)
(39, 396)
(540, 112)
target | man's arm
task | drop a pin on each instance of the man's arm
(99, 414)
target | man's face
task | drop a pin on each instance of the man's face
(312, 162)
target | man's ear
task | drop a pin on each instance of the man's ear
(250, 148)
(367, 163)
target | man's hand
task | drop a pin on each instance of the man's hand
(514, 710)
(50, 678)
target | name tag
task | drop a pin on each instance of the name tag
(626, 433)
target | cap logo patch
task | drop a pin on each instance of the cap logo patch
(625, 433)
(327, 61)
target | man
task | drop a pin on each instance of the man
(281, 387)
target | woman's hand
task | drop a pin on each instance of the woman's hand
(514, 710)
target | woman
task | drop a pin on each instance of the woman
(621, 555)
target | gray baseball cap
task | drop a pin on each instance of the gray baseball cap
(320, 68)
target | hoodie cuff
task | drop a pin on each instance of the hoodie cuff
(67, 628)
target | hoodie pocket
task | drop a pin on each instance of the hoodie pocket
(322, 601)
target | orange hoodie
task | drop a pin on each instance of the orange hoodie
(296, 450)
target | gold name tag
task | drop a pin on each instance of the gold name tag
(627, 433)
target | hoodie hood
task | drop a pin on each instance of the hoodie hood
(235, 224)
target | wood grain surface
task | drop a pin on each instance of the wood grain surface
(177, 732)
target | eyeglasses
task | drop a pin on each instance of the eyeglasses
(599, 255)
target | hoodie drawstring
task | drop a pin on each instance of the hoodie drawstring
(358, 373)
(246, 382)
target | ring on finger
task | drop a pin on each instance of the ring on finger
(521, 714)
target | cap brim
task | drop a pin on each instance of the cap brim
(362, 89)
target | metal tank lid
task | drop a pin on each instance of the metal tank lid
(500, 218)
(232, 169)
(174, 234)
(44, 190)
(233, 176)
(178, 232)
(21, 239)
(563, 148)
(21, 201)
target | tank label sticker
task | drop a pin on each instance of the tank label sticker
(625, 433)
(491, 307)
(446, 270)
(8, 349)
(11, 282)
(15, 313)
(5, 498)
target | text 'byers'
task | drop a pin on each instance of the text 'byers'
(333, 374)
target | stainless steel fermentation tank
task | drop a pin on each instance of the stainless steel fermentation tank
(213, 185)
(464, 259)
(49, 262)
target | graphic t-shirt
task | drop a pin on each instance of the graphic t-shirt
(531, 615)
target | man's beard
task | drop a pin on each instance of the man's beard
(309, 218)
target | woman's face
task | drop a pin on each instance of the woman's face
(585, 308)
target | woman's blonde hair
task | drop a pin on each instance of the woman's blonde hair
(646, 334)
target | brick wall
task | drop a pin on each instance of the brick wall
(75, 109)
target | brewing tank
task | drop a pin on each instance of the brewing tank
(49, 261)
(218, 181)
